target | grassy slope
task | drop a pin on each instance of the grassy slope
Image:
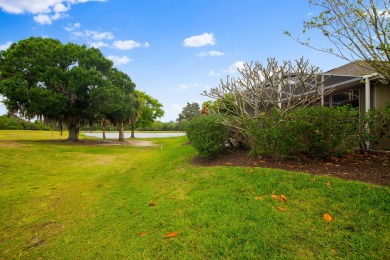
(59, 200)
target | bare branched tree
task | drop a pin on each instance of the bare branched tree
(357, 29)
(260, 88)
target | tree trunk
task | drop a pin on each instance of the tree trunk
(121, 132)
(104, 128)
(132, 131)
(73, 132)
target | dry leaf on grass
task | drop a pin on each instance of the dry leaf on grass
(327, 217)
(172, 234)
(151, 204)
(282, 209)
(328, 183)
(274, 196)
(259, 198)
(142, 234)
(283, 198)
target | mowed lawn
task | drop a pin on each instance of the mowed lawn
(89, 201)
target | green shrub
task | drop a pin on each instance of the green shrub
(315, 131)
(327, 131)
(378, 123)
(207, 135)
(273, 136)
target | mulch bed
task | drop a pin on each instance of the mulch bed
(372, 167)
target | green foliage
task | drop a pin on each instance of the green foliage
(15, 123)
(150, 109)
(315, 131)
(67, 84)
(207, 135)
(378, 123)
(189, 111)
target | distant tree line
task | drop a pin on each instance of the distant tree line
(16, 123)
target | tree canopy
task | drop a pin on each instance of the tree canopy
(68, 84)
(357, 29)
(189, 111)
(148, 110)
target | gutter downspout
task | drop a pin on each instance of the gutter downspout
(367, 104)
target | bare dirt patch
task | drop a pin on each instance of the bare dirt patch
(372, 167)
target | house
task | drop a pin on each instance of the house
(358, 86)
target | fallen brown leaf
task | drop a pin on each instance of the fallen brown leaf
(282, 197)
(151, 204)
(274, 196)
(282, 209)
(172, 234)
(327, 217)
(142, 234)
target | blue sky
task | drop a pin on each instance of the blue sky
(172, 49)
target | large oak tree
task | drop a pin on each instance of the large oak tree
(43, 77)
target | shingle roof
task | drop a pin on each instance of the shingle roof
(357, 68)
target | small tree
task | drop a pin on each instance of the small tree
(189, 111)
(358, 30)
(148, 110)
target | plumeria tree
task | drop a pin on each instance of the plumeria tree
(280, 87)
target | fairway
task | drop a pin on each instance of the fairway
(61, 200)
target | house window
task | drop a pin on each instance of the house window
(350, 97)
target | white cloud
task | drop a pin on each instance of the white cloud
(119, 60)
(234, 67)
(61, 8)
(199, 40)
(128, 45)
(98, 44)
(98, 35)
(72, 27)
(210, 53)
(48, 19)
(5, 46)
(44, 11)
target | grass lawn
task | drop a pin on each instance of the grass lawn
(87, 201)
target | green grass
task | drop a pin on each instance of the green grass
(71, 201)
